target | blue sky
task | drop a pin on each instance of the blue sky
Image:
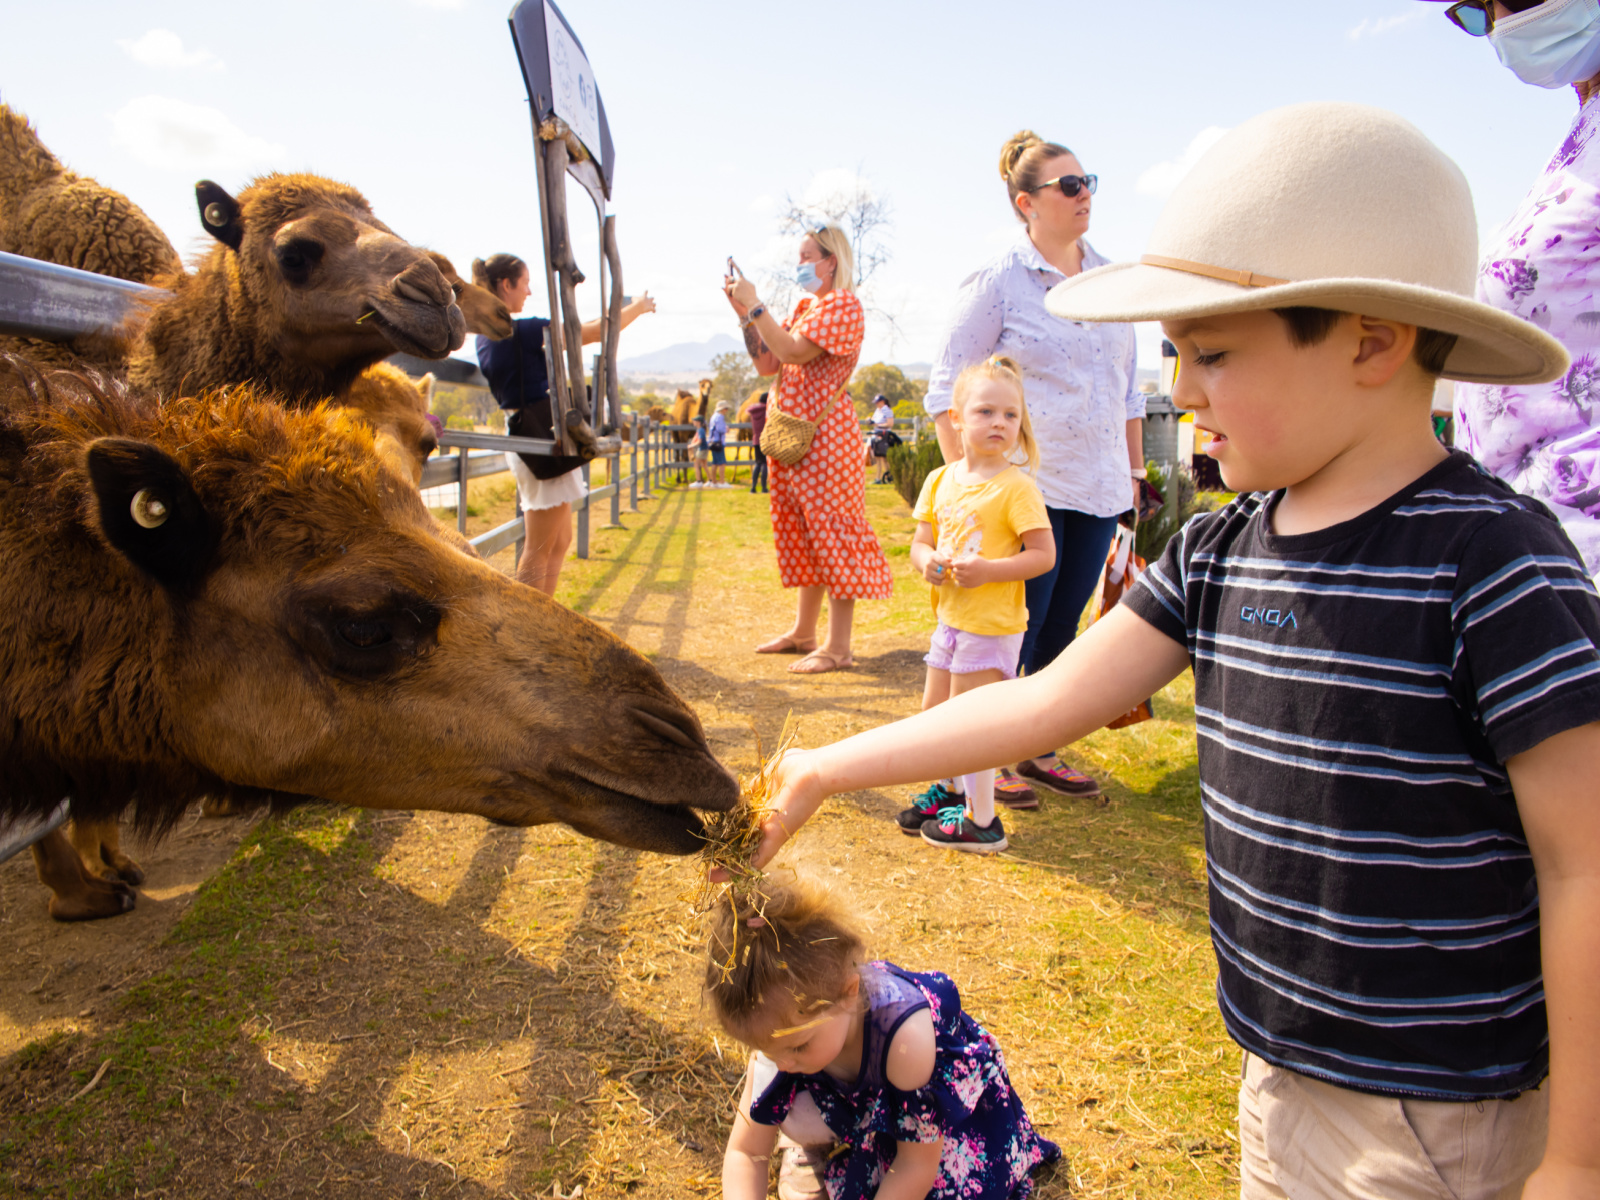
(721, 110)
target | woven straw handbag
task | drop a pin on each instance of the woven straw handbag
(786, 439)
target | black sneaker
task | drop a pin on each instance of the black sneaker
(954, 830)
(925, 806)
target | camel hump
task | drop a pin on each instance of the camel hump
(59, 216)
(24, 159)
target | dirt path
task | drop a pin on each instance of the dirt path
(425, 1005)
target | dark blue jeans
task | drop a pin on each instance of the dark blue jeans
(1056, 598)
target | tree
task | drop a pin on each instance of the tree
(734, 378)
(865, 218)
(883, 379)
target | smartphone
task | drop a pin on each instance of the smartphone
(733, 269)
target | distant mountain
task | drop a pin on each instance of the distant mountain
(684, 356)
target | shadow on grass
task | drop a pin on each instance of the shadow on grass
(393, 992)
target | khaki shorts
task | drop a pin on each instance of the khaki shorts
(1302, 1138)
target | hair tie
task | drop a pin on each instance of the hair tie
(757, 922)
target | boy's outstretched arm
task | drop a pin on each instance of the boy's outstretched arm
(1559, 801)
(1120, 661)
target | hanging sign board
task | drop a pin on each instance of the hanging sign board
(559, 79)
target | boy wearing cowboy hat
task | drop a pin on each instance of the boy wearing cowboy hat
(1397, 680)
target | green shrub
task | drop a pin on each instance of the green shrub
(910, 465)
(458, 421)
(1180, 505)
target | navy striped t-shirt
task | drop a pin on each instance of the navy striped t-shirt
(1357, 693)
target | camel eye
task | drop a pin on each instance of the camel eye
(365, 633)
(297, 256)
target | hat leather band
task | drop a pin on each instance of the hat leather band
(1243, 278)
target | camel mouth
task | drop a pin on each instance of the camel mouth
(627, 820)
(423, 330)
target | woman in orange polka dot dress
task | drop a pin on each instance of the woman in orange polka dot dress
(819, 515)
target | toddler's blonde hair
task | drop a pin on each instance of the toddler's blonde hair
(1001, 369)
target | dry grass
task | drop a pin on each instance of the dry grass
(368, 1004)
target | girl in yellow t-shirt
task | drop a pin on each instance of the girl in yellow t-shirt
(982, 530)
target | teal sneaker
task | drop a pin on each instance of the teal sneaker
(954, 830)
(925, 806)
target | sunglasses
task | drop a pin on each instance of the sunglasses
(1475, 17)
(1071, 185)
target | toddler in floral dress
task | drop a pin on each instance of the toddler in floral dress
(883, 1083)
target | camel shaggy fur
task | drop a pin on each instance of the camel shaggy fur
(305, 290)
(56, 215)
(223, 596)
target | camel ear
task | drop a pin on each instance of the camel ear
(219, 213)
(149, 512)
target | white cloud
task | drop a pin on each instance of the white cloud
(163, 49)
(1370, 27)
(1160, 179)
(164, 132)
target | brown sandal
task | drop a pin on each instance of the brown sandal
(821, 656)
(785, 645)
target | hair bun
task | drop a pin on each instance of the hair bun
(1016, 146)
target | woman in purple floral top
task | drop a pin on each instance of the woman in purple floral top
(883, 1085)
(1544, 265)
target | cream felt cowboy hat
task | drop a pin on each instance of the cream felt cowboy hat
(1325, 205)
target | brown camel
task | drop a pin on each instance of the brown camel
(395, 406)
(305, 290)
(56, 215)
(686, 406)
(222, 596)
(484, 312)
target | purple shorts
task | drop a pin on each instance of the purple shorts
(968, 653)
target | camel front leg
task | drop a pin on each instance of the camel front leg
(76, 893)
(100, 843)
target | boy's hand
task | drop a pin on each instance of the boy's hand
(937, 569)
(971, 570)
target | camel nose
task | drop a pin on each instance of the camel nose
(671, 723)
(423, 283)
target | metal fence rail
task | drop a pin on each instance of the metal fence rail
(652, 449)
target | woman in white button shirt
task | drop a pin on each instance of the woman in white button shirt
(1085, 409)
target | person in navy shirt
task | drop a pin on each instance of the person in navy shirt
(518, 375)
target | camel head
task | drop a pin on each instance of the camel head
(251, 603)
(396, 408)
(485, 313)
(328, 281)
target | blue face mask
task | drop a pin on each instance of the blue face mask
(806, 277)
(1552, 45)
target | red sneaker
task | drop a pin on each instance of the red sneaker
(1059, 777)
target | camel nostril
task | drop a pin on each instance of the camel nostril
(675, 725)
(411, 291)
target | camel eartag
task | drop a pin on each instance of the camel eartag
(219, 213)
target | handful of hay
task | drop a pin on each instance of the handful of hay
(733, 837)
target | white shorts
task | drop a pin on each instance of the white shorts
(546, 493)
